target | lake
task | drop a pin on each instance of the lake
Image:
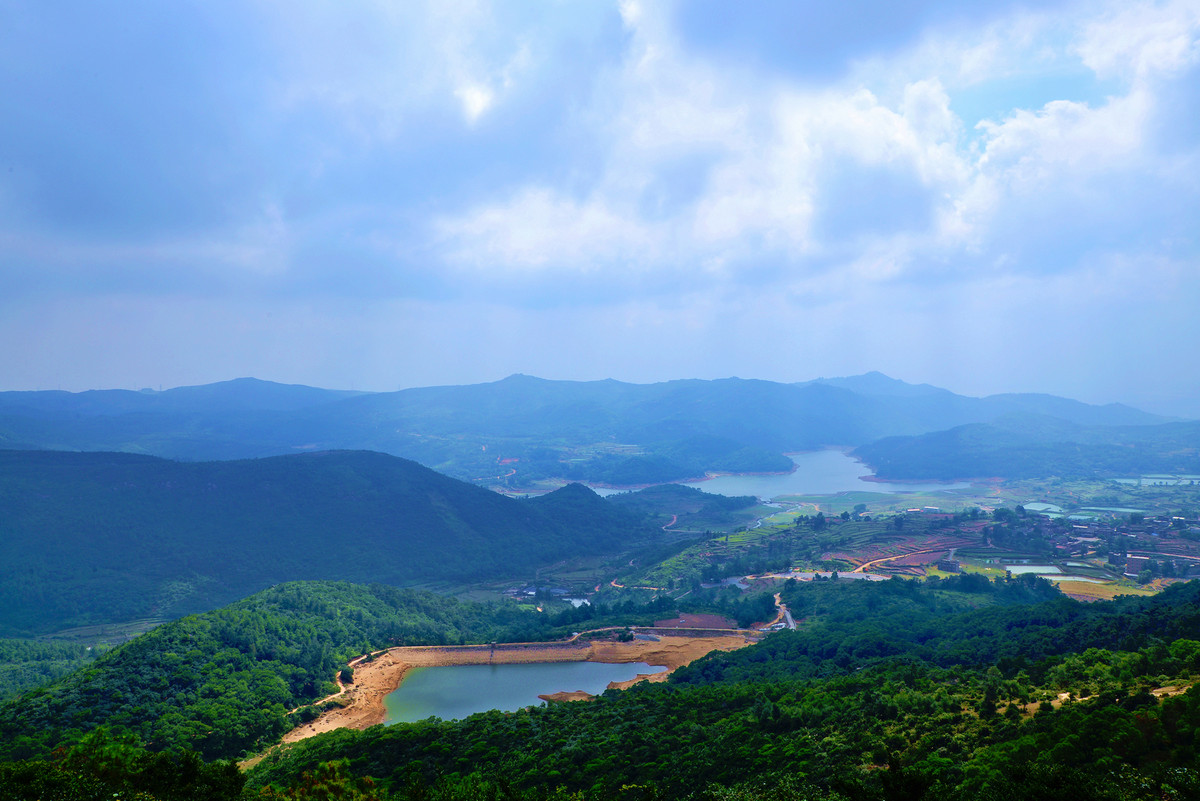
(453, 693)
(817, 473)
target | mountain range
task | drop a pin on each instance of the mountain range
(522, 430)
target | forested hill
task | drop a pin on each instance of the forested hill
(1036, 446)
(224, 681)
(102, 537)
(522, 429)
(958, 689)
(963, 689)
(238, 677)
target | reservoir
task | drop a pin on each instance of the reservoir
(453, 693)
(825, 472)
(817, 473)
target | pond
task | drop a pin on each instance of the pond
(454, 692)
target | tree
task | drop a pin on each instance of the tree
(330, 780)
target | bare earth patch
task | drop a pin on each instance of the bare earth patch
(573, 695)
(689, 620)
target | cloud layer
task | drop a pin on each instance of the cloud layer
(988, 198)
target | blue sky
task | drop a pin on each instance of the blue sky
(988, 197)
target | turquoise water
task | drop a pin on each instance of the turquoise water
(453, 693)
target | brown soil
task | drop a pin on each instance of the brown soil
(688, 620)
(574, 695)
(375, 679)
(1158, 692)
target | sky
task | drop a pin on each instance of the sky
(988, 197)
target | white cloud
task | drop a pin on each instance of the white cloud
(541, 228)
(383, 66)
(475, 99)
(1016, 41)
(761, 150)
(1142, 40)
(1033, 148)
(585, 175)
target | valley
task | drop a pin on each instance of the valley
(837, 637)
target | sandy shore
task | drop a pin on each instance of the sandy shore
(375, 679)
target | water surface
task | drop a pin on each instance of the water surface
(454, 692)
(817, 473)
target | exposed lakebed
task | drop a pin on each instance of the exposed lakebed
(456, 691)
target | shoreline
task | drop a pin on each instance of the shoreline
(873, 479)
(376, 679)
(693, 480)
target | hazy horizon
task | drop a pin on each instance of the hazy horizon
(163, 388)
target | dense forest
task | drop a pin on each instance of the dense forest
(964, 690)
(28, 663)
(234, 679)
(953, 689)
(102, 537)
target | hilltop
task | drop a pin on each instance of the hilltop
(102, 537)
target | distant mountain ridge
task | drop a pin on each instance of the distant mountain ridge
(522, 430)
(246, 394)
(1037, 446)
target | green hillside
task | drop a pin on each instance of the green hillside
(223, 682)
(102, 537)
(235, 679)
(892, 691)
(1032, 446)
(687, 508)
(954, 689)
